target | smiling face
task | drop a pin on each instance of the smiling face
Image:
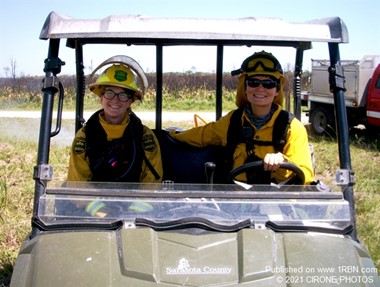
(114, 109)
(260, 98)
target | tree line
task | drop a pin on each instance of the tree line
(174, 81)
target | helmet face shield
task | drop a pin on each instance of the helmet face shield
(125, 73)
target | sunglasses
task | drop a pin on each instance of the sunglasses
(267, 83)
(123, 96)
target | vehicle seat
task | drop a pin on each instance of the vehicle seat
(183, 163)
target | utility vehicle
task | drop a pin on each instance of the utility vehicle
(199, 232)
(362, 94)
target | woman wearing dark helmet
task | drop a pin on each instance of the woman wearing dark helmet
(259, 100)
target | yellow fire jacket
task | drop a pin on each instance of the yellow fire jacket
(79, 165)
(296, 149)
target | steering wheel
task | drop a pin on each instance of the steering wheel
(299, 177)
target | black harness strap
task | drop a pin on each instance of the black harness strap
(280, 132)
(119, 159)
(239, 132)
(150, 166)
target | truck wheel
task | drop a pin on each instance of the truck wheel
(321, 121)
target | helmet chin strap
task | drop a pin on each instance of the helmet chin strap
(131, 63)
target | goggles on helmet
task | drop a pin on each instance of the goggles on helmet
(259, 61)
(267, 83)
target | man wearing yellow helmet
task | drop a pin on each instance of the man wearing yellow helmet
(249, 130)
(114, 145)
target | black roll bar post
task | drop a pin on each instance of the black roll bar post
(219, 82)
(345, 176)
(159, 75)
(42, 171)
(297, 83)
(81, 86)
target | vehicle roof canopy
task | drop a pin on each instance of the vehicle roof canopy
(252, 30)
(164, 31)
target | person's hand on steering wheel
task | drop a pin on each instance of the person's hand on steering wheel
(299, 176)
(272, 161)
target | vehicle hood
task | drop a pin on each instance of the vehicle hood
(144, 257)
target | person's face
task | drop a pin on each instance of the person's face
(259, 94)
(114, 109)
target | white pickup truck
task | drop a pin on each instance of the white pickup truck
(362, 94)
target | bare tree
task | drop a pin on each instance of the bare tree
(13, 67)
(288, 67)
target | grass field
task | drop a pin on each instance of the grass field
(17, 158)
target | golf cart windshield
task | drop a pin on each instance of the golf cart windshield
(172, 206)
